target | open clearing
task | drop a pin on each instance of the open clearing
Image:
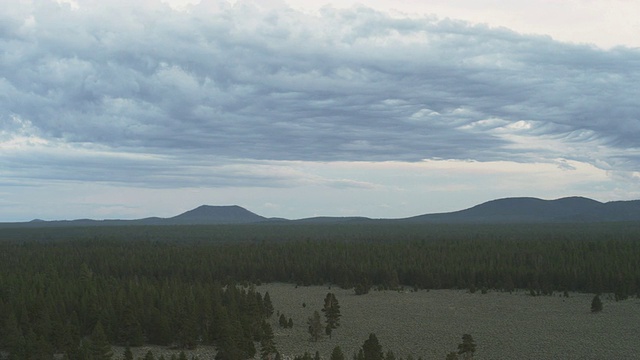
(429, 324)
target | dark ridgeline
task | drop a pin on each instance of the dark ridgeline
(501, 211)
(533, 210)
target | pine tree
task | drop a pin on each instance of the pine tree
(467, 347)
(371, 348)
(83, 352)
(267, 345)
(337, 354)
(268, 306)
(188, 329)
(389, 355)
(128, 355)
(100, 347)
(331, 312)
(596, 304)
(131, 331)
(149, 356)
(315, 326)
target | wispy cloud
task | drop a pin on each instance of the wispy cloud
(254, 83)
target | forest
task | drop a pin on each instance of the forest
(75, 291)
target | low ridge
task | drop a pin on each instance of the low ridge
(507, 210)
(534, 210)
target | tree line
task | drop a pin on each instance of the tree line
(542, 264)
(46, 313)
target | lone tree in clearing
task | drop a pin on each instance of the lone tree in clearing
(467, 347)
(596, 304)
(331, 312)
(337, 354)
(371, 348)
(282, 321)
(315, 326)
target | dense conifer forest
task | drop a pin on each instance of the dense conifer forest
(68, 290)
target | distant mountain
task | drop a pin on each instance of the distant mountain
(205, 215)
(534, 210)
(508, 210)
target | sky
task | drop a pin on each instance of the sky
(127, 109)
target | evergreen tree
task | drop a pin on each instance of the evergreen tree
(315, 326)
(389, 355)
(467, 347)
(282, 321)
(371, 348)
(128, 355)
(100, 347)
(452, 356)
(149, 356)
(267, 345)
(187, 332)
(158, 328)
(290, 323)
(84, 351)
(337, 354)
(331, 310)
(596, 304)
(268, 306)
(131, 331)
(362, 288)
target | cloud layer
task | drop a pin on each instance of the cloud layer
(219, 93)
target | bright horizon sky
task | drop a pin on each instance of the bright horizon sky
(294, 108)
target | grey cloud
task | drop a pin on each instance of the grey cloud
(274, 84)
(50, 163)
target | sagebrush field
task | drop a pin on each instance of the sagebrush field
(429, 324)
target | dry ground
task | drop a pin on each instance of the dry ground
(431, 323)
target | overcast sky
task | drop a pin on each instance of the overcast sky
(129, 109)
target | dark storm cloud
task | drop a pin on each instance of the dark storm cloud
(245, 82)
